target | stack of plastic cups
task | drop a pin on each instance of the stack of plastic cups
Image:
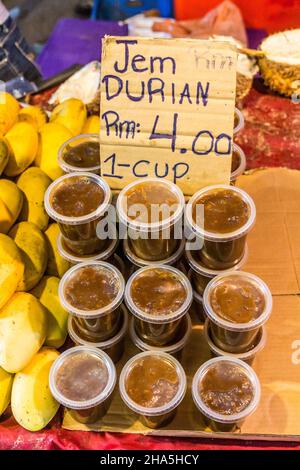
(238, 165)
(218, 252)
(102, 326)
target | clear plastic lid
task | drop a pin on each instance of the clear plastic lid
(245, 356)
(103, 344)
(161, 410)
(241, 121)
(220, 237)
(83, 404)
(242, 166)
(84, 219)
(139, 262)
(155, 226)
(196, 296)
(137, 312)
(218, 417)
(198, 267)
(91, 313)
(74, 259)
(173, 348)
(78, 139)
(251, 325)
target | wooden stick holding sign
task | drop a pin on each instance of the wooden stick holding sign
(167, 111)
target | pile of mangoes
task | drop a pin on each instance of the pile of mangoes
(33, 324)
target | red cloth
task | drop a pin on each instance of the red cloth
(271, 136)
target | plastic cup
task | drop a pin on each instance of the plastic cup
(175, 348)
(74, 258)
(114, 346)
(161, 415)
(200, 275)
(236, 337)
(153, 241)
(158, 330)
(242, 164)
(79, 166)
(239, 121)
(85, 410)
(100, 324)
(225, 422)
(248, 357)
(80, 233)
(197, 305)
(221, 250)
(139, 262)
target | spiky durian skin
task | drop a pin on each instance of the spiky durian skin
(280, 77)
(243, 86)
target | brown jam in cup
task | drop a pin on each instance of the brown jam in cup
(235, 161)
(84, 155)
(150, 209)
(80, 153)
(92, 287)
(77, 198)
(153, 384)
(158, 297)
(225, 391)
(82, 379)
(158, 292)
(237, 304)
(78, 202)
(92, 292)
(224, 211)
(220, 217)
(237, 300)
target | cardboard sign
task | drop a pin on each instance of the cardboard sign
(167, 111)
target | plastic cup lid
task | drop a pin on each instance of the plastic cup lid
(221, 418)
(101, 344)
(256, 323)
(220, 237)
(242, 166)
(80, 405)
(137, 312)
(173, 348)
(155, 226)
(160, 410)
(74, 258)
(139, 262)
(84, 219)
(73, 168)
(241, 124)
(97, 312)
(246, 356)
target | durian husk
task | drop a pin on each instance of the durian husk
(243, 86)
(278, 74)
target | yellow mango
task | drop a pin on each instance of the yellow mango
(70, 113)
(23, 141)
(92, 125)
(6, 381)
(57, 318)
(23, 329)
(52, 136)
(34, 182)
(9, 108)
(12, 199)
(57, 265)
(11, 268)
(33, 247)
(35, 115)
(32, 403)
(4, 154)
